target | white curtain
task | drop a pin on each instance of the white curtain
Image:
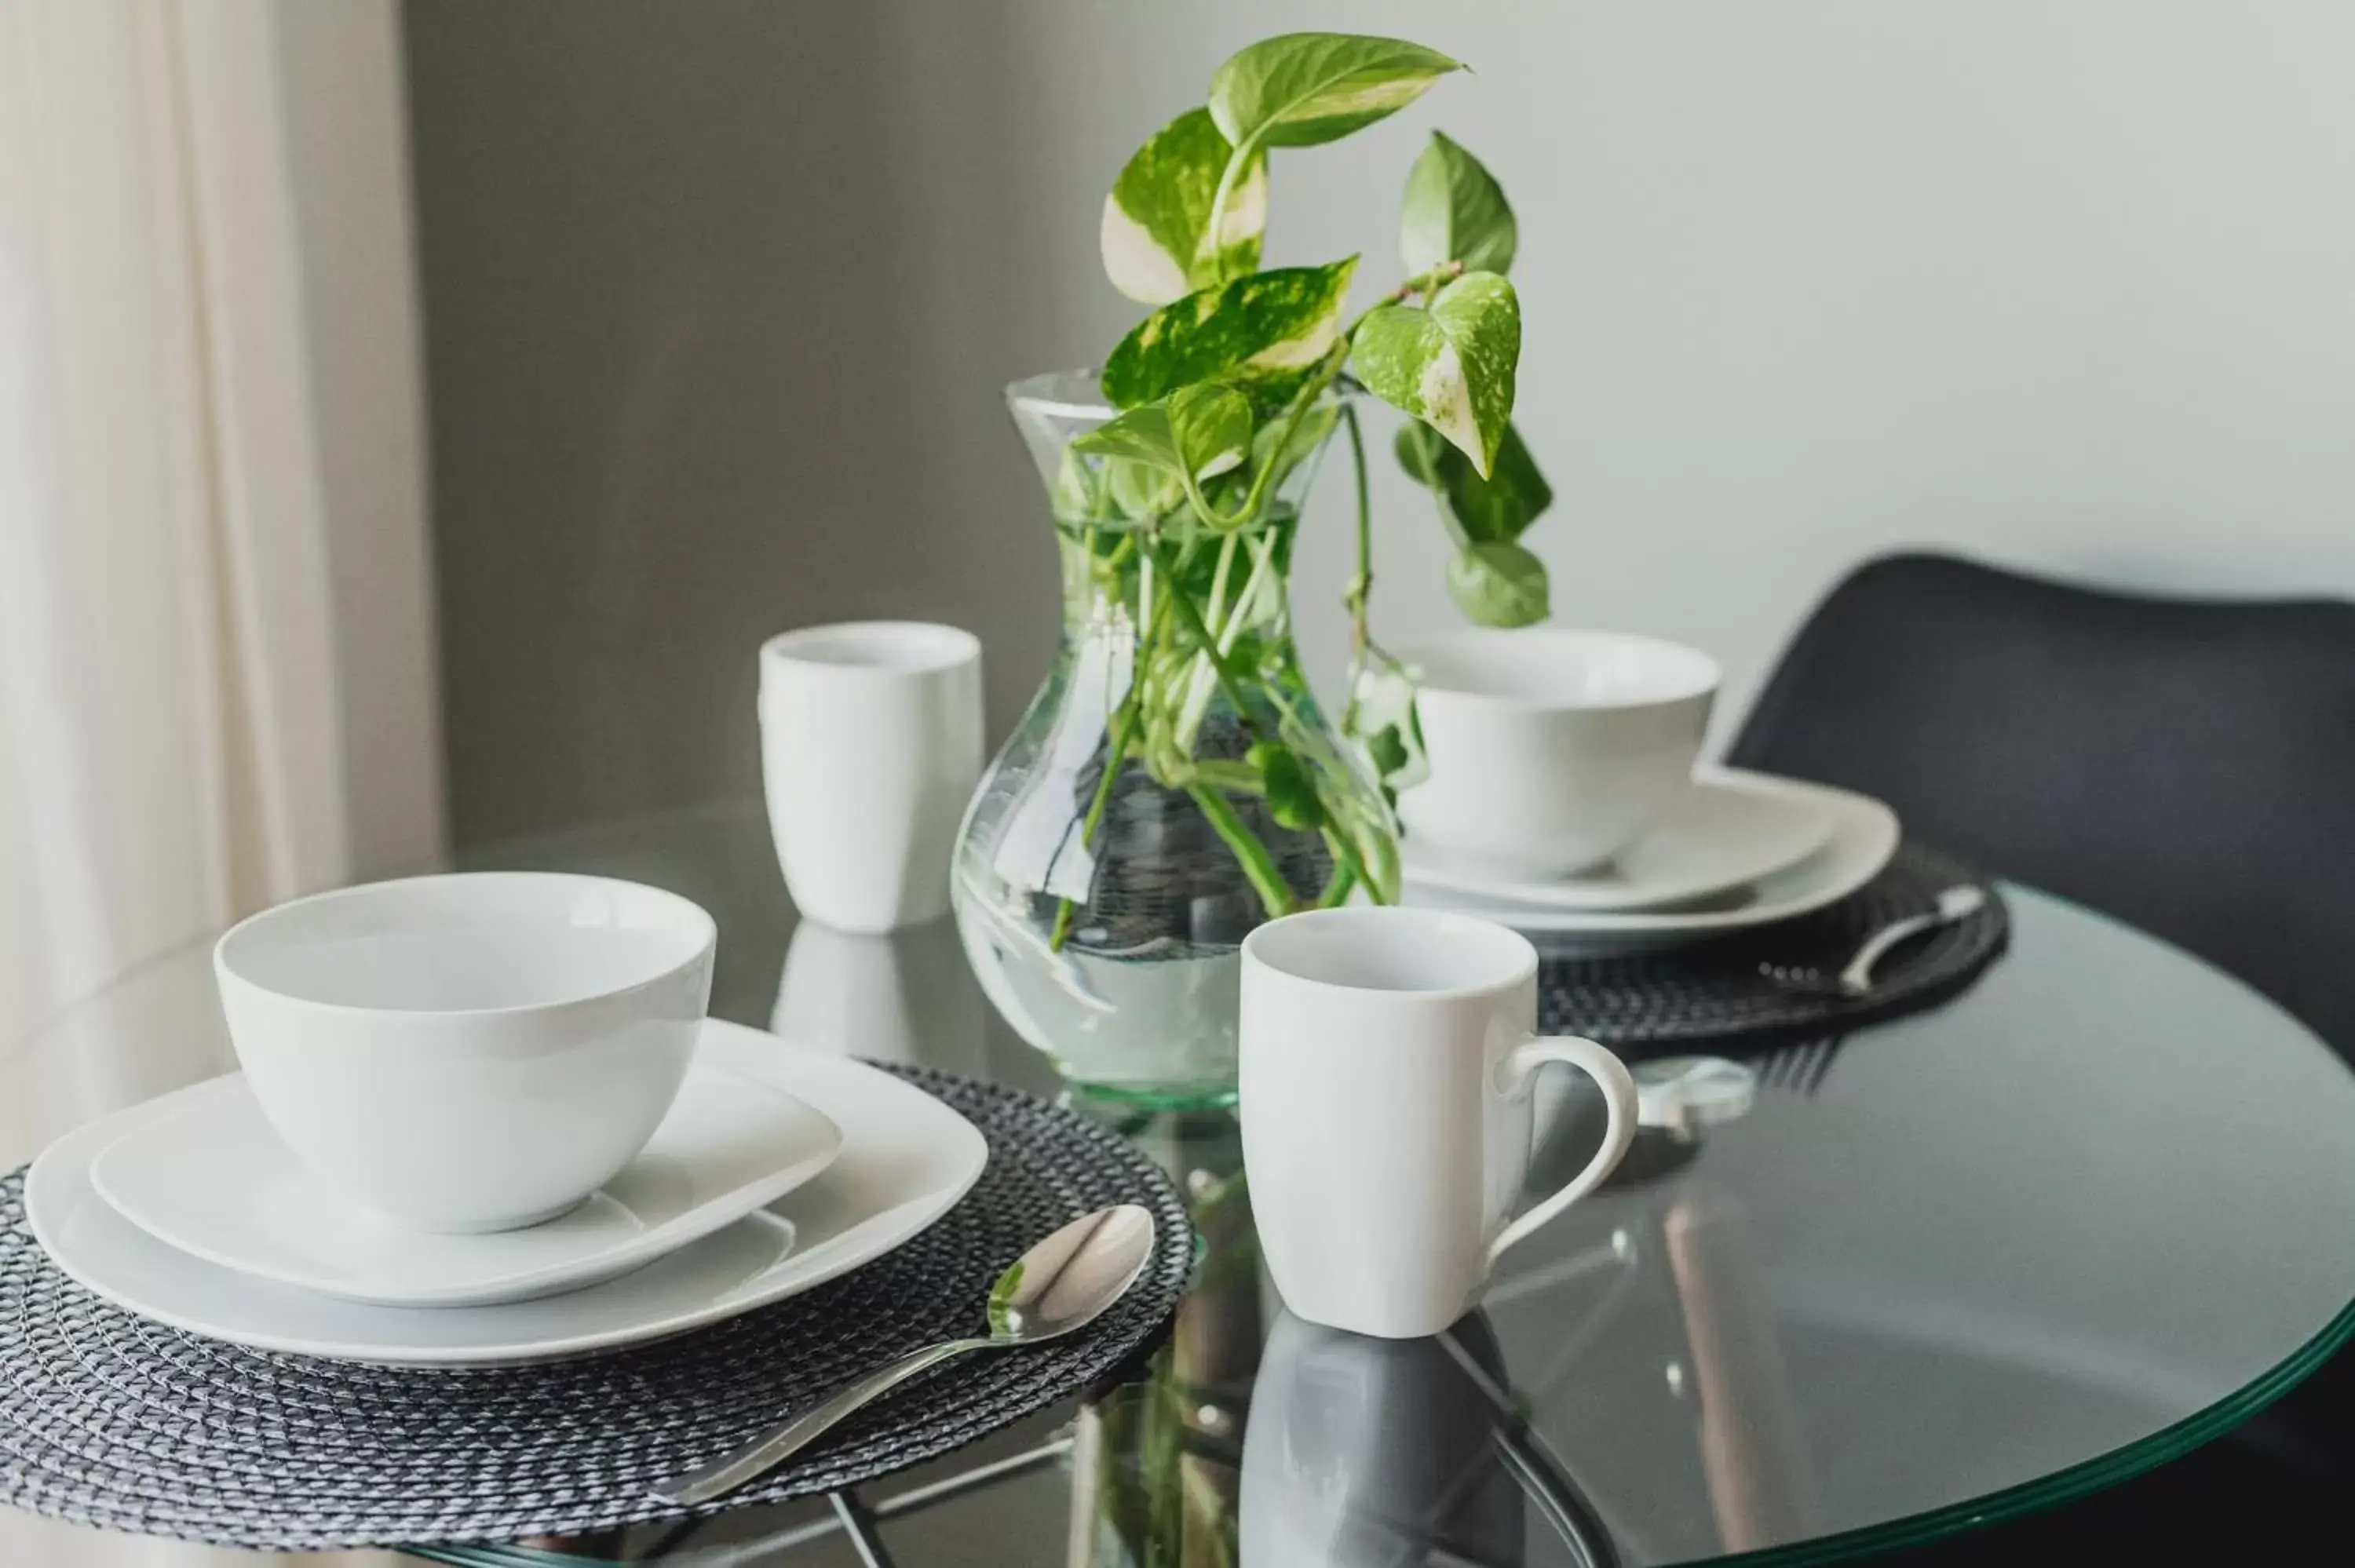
(172, 751)
(170, 748)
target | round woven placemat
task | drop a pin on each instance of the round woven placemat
(111, 1420)
(1723, 991)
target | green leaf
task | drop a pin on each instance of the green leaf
(1298, 89)
(1074, 493)
(1264, 332)
(1382, 721)
(1201, 430)
(1498, 584)
(1212, 423)
(1155, 236)
(1497, 509)
(1141, 489)
(1291, 798)
(1316, 423)
(1454, 210)
(1419, 449)
(1451, 365)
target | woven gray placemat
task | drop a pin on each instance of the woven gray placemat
(1720, 991)
(111, 1420)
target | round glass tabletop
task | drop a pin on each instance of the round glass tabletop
(1973, 1262)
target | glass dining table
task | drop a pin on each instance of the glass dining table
(1978, 1261)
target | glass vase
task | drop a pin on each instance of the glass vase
(1173, 784)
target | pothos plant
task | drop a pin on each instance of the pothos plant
(1232, 382)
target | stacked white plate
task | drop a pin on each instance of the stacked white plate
(778, 1167)
(1741, 850)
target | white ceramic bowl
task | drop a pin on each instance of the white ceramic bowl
(468, 1052)
(1552, 750)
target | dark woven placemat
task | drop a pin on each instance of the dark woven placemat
(110, 1420)
(1720, 991)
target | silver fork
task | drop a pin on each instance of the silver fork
(1800, 1069)
(1855, 980)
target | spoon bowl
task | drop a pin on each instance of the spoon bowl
(1068, 1279)
(1065, 1281)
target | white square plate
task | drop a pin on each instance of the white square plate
(906, 1159)
(213, 1180)
(1731, 829)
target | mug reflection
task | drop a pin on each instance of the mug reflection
(1367, 1453)
(904, 998)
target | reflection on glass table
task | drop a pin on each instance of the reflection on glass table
(906, 998)
(1971, 1262)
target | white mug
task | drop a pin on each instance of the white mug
(1387, 1061)
(871, 746)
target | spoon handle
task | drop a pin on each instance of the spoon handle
(775, 1446)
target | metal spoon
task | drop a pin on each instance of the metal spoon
(1958, 902)
(1063, 1284)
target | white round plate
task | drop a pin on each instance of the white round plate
(1731, 829)
(214, 1180)
(906, 1158)
(1864, 835)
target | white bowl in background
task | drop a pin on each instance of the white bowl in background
(475, 1052)
(1550, 750)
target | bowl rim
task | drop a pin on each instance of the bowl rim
(1707, 676)
(692, 916)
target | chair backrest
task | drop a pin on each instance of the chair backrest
(2187, 766)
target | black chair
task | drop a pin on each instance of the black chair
(2187, 766)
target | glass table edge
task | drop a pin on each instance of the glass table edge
(2079, 1481)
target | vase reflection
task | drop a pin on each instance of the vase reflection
(1256, 1438)
(1155, 1462)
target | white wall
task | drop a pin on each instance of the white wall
(720, 296)
(2066, 284)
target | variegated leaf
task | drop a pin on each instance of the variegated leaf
(1498, 584)
(1454, 210)
(1450, 365)
(1307, 438)
(1139, 490)
(1203, 431)
(1263, 333)
(1156, 237)
(1297, 90)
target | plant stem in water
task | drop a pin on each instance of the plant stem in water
(1115, 758)
(1250, 853)
(1192, 617)
(1337, 888)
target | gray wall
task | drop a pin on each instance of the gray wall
(718, 294)
(348, 134)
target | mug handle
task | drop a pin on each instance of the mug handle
(1610, 1075)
